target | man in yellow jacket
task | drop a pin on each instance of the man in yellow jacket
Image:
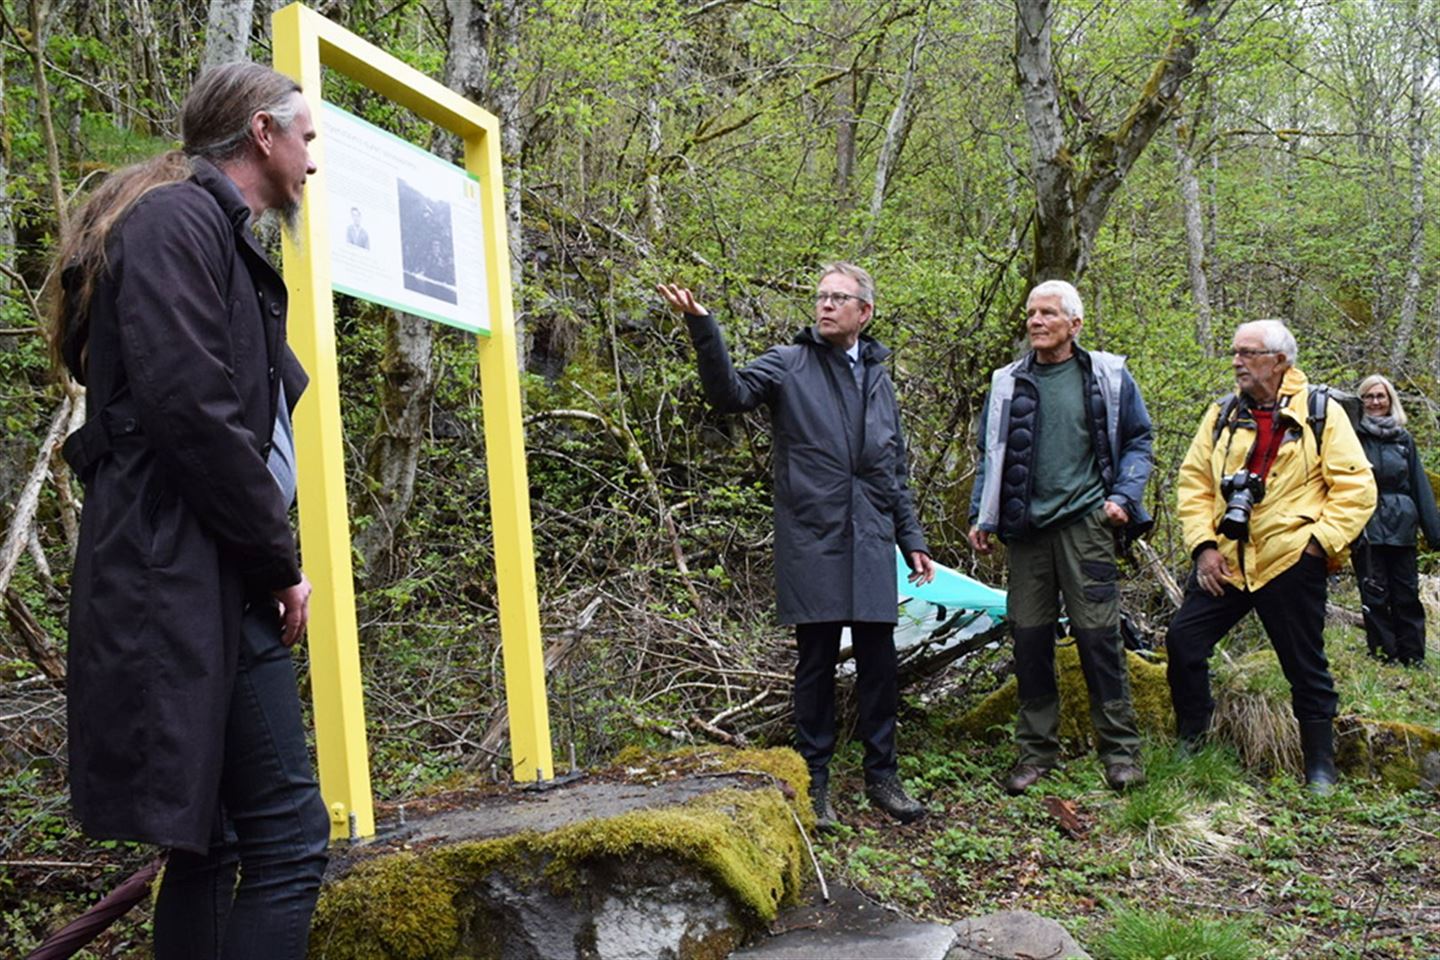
(1268, 508)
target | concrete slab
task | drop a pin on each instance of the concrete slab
(849, 928)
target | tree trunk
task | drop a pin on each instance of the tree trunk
(7, 219)
(1194, 236)
(227, 32)
(1410, 304)
(393, 451)
(895, 132)
(39, 14)
(508, 15)
(844, 140)
(1070, 205)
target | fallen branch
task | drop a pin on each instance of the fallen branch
(17, 537)
(42, 652)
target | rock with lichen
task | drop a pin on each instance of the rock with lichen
(681, 856)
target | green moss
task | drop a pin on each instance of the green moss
(1402, 755)
(399, 908)
(993, 717)
(415, 905)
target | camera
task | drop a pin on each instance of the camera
(1241, 490)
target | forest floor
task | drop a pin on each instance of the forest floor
(1208, 860)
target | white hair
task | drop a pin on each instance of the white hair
(1276, 336)
(1069, 297)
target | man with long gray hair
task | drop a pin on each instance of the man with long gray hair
(184, 719)
(1064, 456)
(1274, 489)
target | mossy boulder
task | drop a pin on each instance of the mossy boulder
(1403, 755)
(684, 880)
(994, 717)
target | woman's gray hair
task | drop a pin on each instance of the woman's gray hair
(1069, 297)
(1276, 336)
(1397, 411)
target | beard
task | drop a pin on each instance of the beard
(289, 216)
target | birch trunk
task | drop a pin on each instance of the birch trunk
(227, 32)
(895, 132)
(1071, 206)
(1194, 237)
(1410, 304)
(507, 99)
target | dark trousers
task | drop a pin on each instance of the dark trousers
(1292, 609)
(1390, 593)
(875, 688)
(272, 827)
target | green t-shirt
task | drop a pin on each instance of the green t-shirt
(1067, 474)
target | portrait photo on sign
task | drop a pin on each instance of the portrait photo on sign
(427, 244)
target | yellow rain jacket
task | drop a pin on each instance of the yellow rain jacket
(1329, 497)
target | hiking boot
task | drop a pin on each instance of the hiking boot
(1022, 777)
(1124, 775)
(1187, 748)
(1317, 745)
(890, 796)
(825, 820)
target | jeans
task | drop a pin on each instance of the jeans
(271, 827)
(876, 688)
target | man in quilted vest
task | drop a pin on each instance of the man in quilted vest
(1064, 456)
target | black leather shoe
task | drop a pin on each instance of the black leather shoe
(1022, 777)
(1123, 776)
(890, 796)
(825, 820)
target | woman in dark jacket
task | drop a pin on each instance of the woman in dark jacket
(1385, 555)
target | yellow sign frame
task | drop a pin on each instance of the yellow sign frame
(304, 42)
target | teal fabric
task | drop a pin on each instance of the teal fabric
(950, 588)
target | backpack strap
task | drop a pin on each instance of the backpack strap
(1227, 408)
(1317, 403)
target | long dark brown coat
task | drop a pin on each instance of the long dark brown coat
(183, 522)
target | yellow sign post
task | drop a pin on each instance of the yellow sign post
(304, 43)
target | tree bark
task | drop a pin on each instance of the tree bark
(1410, 303)
(508, 16)
(1195, 258)
(1070, 203)
(39, 16)
(895, 132)
(392, 454)
(227, 32)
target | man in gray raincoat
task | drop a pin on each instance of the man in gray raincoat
(842, 504)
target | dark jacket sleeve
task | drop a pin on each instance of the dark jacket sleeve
(1424, 496)
(174, 322)
(1136, 454)
(729, 390)
(908, 534)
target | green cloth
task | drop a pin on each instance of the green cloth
(1067, 473)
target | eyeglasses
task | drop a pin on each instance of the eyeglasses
(1374, 397)
(1247, 353)
(839, 299)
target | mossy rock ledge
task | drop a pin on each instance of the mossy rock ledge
(678, 856)
(993, 719)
